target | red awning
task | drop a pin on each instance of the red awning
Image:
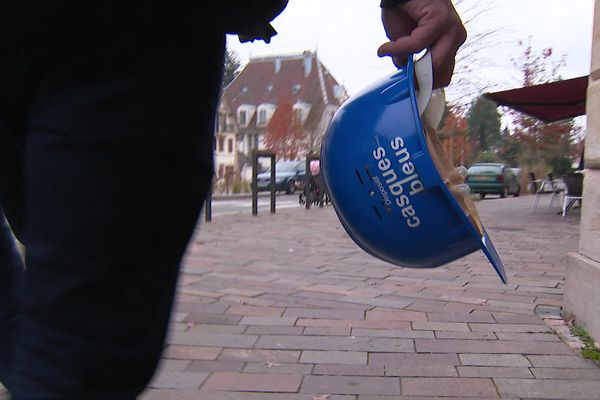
(549, 101)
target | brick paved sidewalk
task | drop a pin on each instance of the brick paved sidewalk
(286, 307)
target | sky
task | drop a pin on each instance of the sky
(346, 34)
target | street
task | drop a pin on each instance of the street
(243, 205)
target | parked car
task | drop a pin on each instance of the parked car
(492, 178)
(287, 174)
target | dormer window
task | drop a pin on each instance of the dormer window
(264, 113)
(262, 117)
(301, 109)
(245, 113)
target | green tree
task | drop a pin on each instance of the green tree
(510, 148)
(483, 121)
(487, 157)
(231, 67)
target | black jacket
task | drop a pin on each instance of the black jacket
(249, 18)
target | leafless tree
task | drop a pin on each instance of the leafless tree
(485, 31)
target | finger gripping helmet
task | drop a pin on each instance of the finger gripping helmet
(393, 190)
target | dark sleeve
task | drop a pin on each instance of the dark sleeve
(391, 3)
(250, 19)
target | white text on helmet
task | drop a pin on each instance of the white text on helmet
(409, 180)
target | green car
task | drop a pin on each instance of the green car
(492, 178)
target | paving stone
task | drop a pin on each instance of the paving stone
(511, 318)
(333, 357)
(537, 337)
(494, 360)
(215, 328)
(214, 395)
(567, 373)
(393, 333)
(459, 387)
(350, 385)
(274, 330)
(370, 324)
(221, 319)
(571, 361)
(178, 316)
(323, 313)
(212, 339)
(192, 352)
(396, 315)
(259, 355)
(318, 331)
(548, 389)
(214, 366)
(336, 343)
(178, 380)
(475, 316)
(412, 371)
(466, 335)
(278, 368)
(253, 382)
(377, 302)
(441, 326)
(269, 321)
(494, 372)
(367, 397)
(490, 346)
(413, 360)
(237, 309)
(527, 328)
(349, 370)
(172, 365)
(169, 394)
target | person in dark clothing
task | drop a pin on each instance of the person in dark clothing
(106, 119)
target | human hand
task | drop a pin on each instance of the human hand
(418, 24)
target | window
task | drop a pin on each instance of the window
(252, 141)
(230, 145)
(221, 144)
(242, 117)
(262, 117)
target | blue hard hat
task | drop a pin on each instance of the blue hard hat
(393, 190)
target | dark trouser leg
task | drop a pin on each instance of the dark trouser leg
(11, 264)
(117, 166)
(102, 266)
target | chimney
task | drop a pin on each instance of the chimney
(307, 61)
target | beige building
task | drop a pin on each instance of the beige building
(582, 298)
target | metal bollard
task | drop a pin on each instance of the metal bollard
(256, 154)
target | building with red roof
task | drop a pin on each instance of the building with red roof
(249, 102)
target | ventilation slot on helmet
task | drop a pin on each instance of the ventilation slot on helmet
(377, 212)
(359, 177)
(368, 173)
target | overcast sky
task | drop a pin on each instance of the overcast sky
(346, 33)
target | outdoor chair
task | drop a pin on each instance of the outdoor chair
(573, 191)
(544, 187)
